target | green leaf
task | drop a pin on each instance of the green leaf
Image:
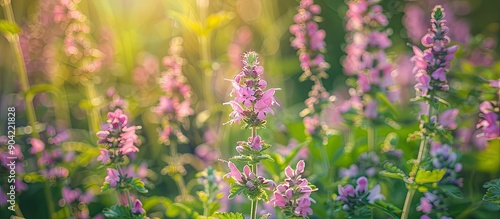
(426, 176)
(493, 191)
(489, 159)
(137, 184)
(235, 190)
(118, 212)
(216, 20)
(387, 208)
(382, 97)
(266, 216)
(105, 186)
(452, 191)
(9, 27)
(229, 215)
(392, 175)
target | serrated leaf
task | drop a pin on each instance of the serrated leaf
(426, 176)
(137, 184)
(493, 191)
(235, 190)
(453, 191)
(9, 27)
(117, 212)
(228, 215)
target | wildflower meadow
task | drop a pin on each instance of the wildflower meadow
(249, 109)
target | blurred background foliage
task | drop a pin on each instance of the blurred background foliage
(133, 36)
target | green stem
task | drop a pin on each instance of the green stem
(422, 152)
(93, 112)
(177, 176)
(371, 137)
(253, 206)
(19, 213)
(25, 86)
(127, 193)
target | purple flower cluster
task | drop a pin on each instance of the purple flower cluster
(309, 40)
(490, 124)
(175, 105)
(252, 103)
(357, 197)
(293, 195)
(118, 136)
(443, 157)
(252, 183)
(367, 166)
(366, 57)
(77, 45)
(432, 64)
(51, 156)
(77, 201)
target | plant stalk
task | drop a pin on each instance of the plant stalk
(253, 206)
(25, 86)
(422, 152)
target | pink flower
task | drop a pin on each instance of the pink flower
(137, 209)
(104, 156)
(425, 206)
(371, 110)
(37, 146)
(234, 172)
(447, 118)
(113, 177)
(255, 143)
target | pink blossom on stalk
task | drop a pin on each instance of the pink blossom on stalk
(309, 40)
(447, 119)
(103, 156)
(137, 209)
(118, 135)
(355, 197)
(113, 177)
(432, 64)
(37, 146)
(293, 195)
(252, 103)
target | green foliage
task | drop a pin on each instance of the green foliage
(8, 27)
(426, 176)
(229, 215)
(105, 186)
(452, 191)
(492, 192)
(120, 212)
(137, 184)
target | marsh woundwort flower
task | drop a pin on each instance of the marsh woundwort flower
(490, 111)
(252, 103)
(118, 136)
(293, 195)
(432, 64)
(77, 44)
(443, 157)
(366, 58)
(309, 40)
(357, 197)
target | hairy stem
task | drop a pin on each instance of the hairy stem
(127, 193)
(253, 207)
(422, 152)
(371, 137)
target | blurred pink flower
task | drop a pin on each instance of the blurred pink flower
(37, 146)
